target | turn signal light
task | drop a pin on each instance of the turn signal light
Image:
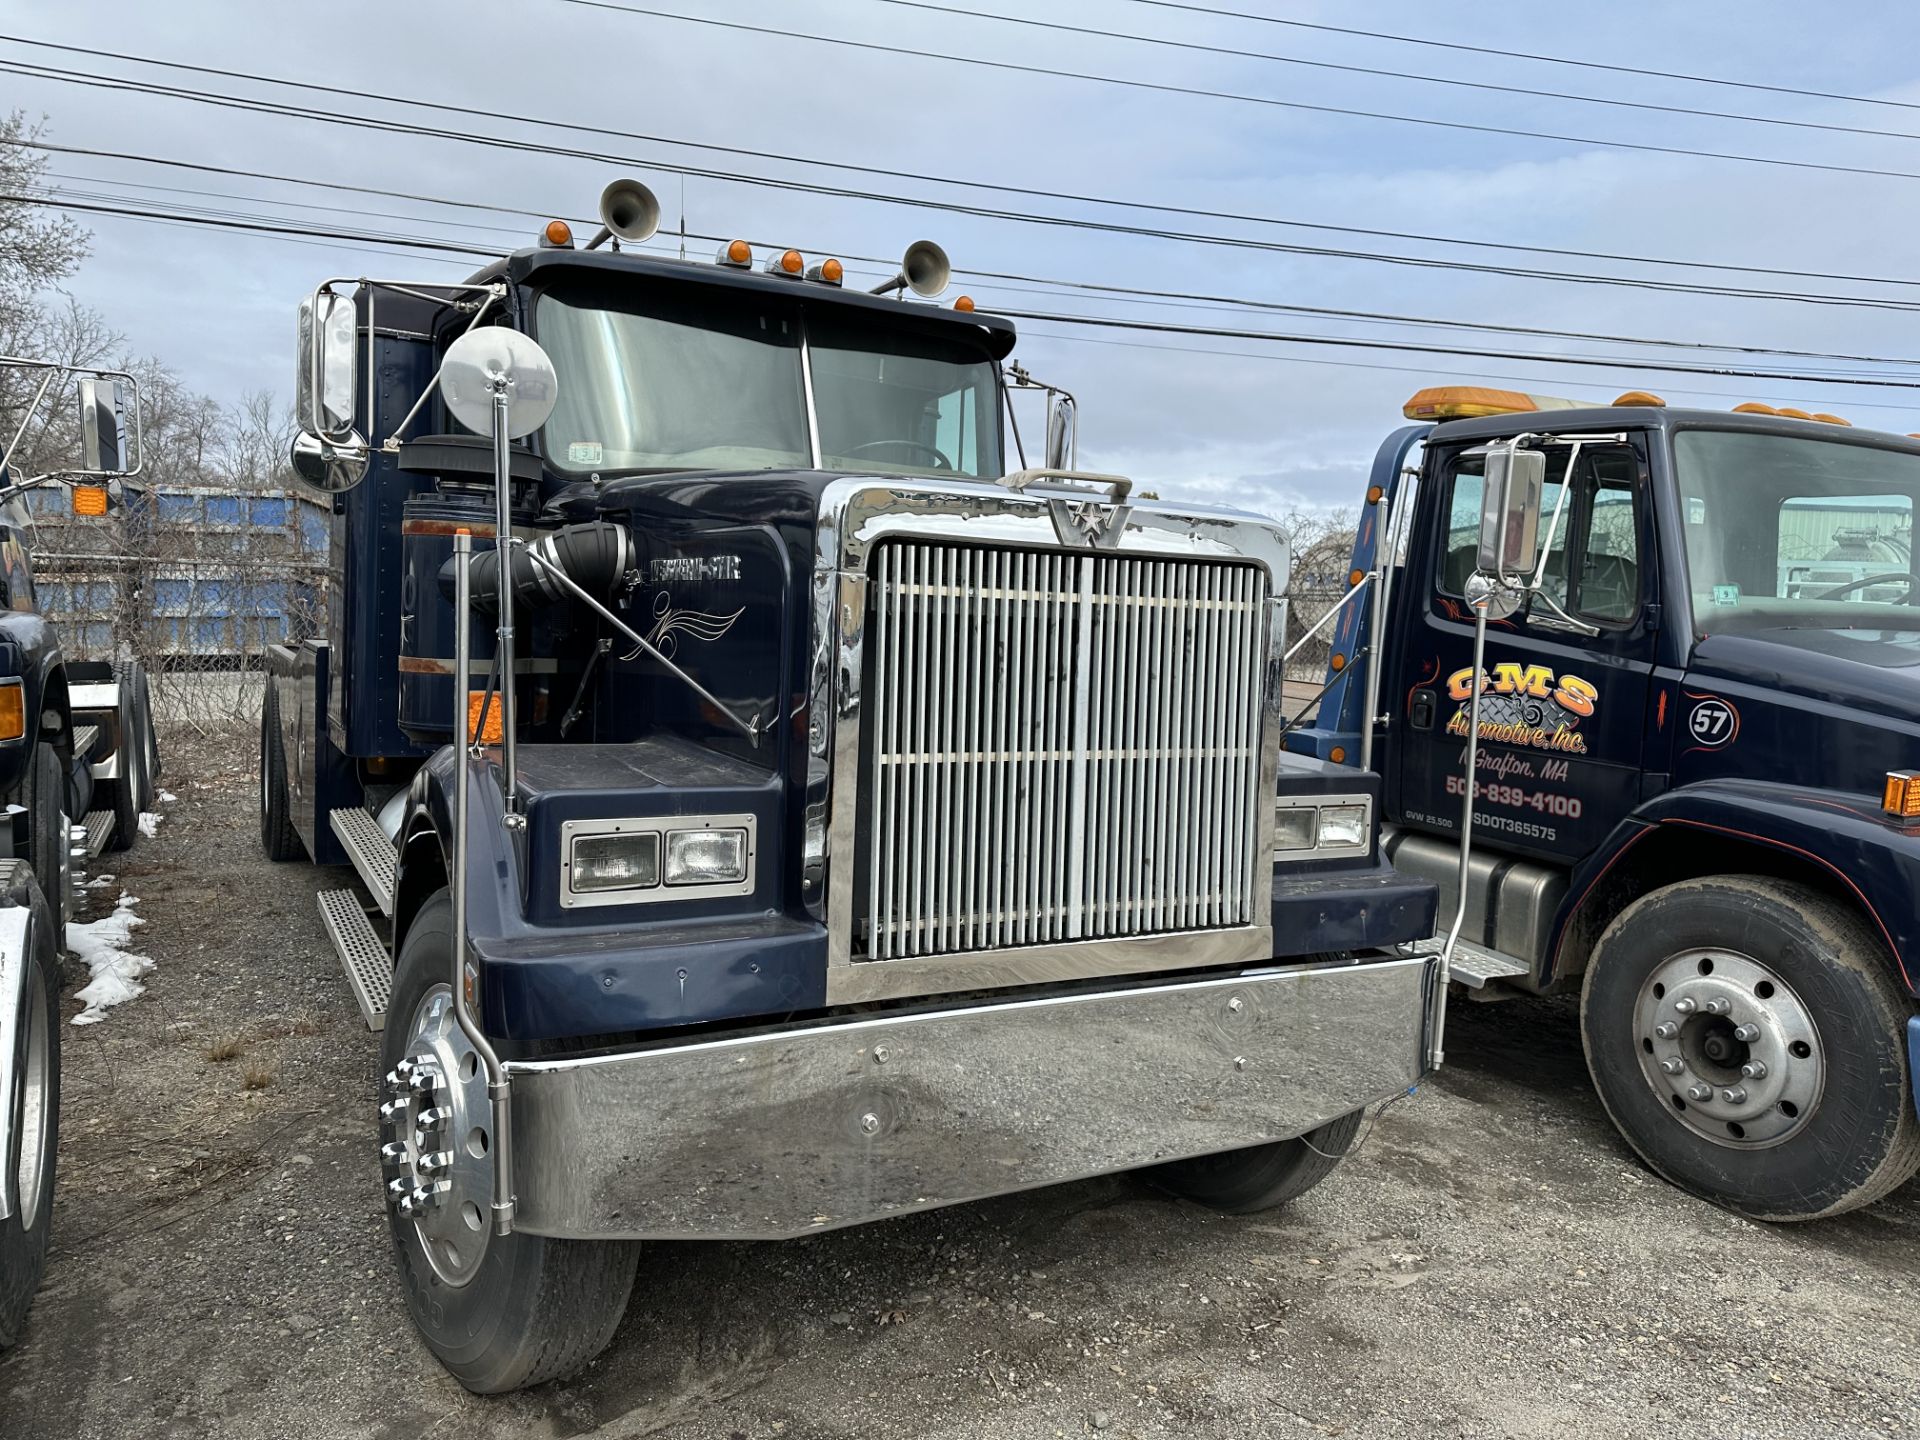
(89, 499)
(1902, 798)
(13, 710)
(491, 735)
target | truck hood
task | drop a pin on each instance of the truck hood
(1876, 671)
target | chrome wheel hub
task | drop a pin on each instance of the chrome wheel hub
(437, 1129)
(1729, 1048)
(36, 1116)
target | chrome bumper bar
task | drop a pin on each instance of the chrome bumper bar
(844, 1121)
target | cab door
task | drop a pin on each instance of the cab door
(1565, 699)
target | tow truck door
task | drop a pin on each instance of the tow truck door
(1563, 721)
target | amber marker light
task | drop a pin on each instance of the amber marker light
(1901, 800)
(558, 234)
(13, 710)
(737, 253)
(491, 735)
(787, 262)
(964, 304)
(89, 499)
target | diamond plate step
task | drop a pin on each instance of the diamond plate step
(84, 737)
(1475, 966)
(362, 956)
(369, 849)
(99, 825)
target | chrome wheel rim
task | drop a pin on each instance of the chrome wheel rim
(438, 1130)
(1731, 1050)
(36, 1115)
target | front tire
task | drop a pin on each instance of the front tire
(35, 1101)
(1241, 1182)
(277, 835)
(500, 1312)
(1747, 1037)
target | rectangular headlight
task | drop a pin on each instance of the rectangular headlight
(1343, 827)
(706, 857)
(1296, 827)
(616, 862)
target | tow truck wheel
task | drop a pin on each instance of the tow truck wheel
(1261, 1177)
(500, 1312)
(277, 835)
(1748, 1038)
(34, 1098)
(44, 794)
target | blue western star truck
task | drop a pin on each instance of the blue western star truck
(821, 815)
(73, 736)
(1697, 777)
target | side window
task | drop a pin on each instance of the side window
(1593, 565)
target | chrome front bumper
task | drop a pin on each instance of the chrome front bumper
(845, 1121)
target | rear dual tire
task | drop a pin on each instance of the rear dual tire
(530, 1309)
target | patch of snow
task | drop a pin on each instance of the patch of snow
(167, 797)
(104, 946)
(150, 823)
(99, 880)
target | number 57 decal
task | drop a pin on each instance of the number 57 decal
(1713, 723)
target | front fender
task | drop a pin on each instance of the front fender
(1847, 839)
(30, 653)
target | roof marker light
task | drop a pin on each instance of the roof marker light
(828, 272)
(736, 253)
(964, 304)
(558, 235)
(1754, 407)
(1791, 413)
(1825, 419)
(1641, 397)
(790, 263)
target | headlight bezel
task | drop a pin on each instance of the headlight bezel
(659, 890)
(1329, 842)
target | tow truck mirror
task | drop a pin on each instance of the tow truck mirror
(1062, 423)
(1510, 511)
(103, 430)
(325, 377)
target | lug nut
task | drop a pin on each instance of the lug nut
(1666, 1030)
(394, 1152)
(1718, 1005)
(1700, 1092)
(870, 1122)
(1685, 1006)
(1754, 1070)
(1746, 1034)
(1736, 1096)
(435, 1161)
(394, 1112)
(1673, 1065)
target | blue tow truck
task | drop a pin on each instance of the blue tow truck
(822, 815)
(73, 734)
(1697, 792)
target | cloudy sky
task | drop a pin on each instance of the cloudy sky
(1275, 426)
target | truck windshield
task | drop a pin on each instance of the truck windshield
(1784, 532)
(672, 380)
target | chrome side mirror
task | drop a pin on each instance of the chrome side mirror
(103, 425)
(1510, 511)
(1062, 430)
(320, 464)
(325, 375)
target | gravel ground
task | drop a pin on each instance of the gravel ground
(1493, 1261)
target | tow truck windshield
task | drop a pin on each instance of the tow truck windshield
(672, 380)
(1791, 533)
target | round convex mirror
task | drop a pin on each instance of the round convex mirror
(481, 361)
(324, 466)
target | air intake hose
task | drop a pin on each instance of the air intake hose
(594, 556)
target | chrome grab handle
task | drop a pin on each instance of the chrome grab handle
(1117, 487)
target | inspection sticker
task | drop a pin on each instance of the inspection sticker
(584, 452)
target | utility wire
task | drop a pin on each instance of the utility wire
(1240, 53)
(1238, 97)
(1011, 281)
(1506, 54)
(1025, 217)
(1100, 322)
(888, 172)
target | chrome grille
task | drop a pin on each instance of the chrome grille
(1060, 747)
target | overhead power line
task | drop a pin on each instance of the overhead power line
(815, 162)
(1010, 280)
(1097, 322)
(1201, 92)
(1504, 53)
(1454, 82)
(734, 176)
